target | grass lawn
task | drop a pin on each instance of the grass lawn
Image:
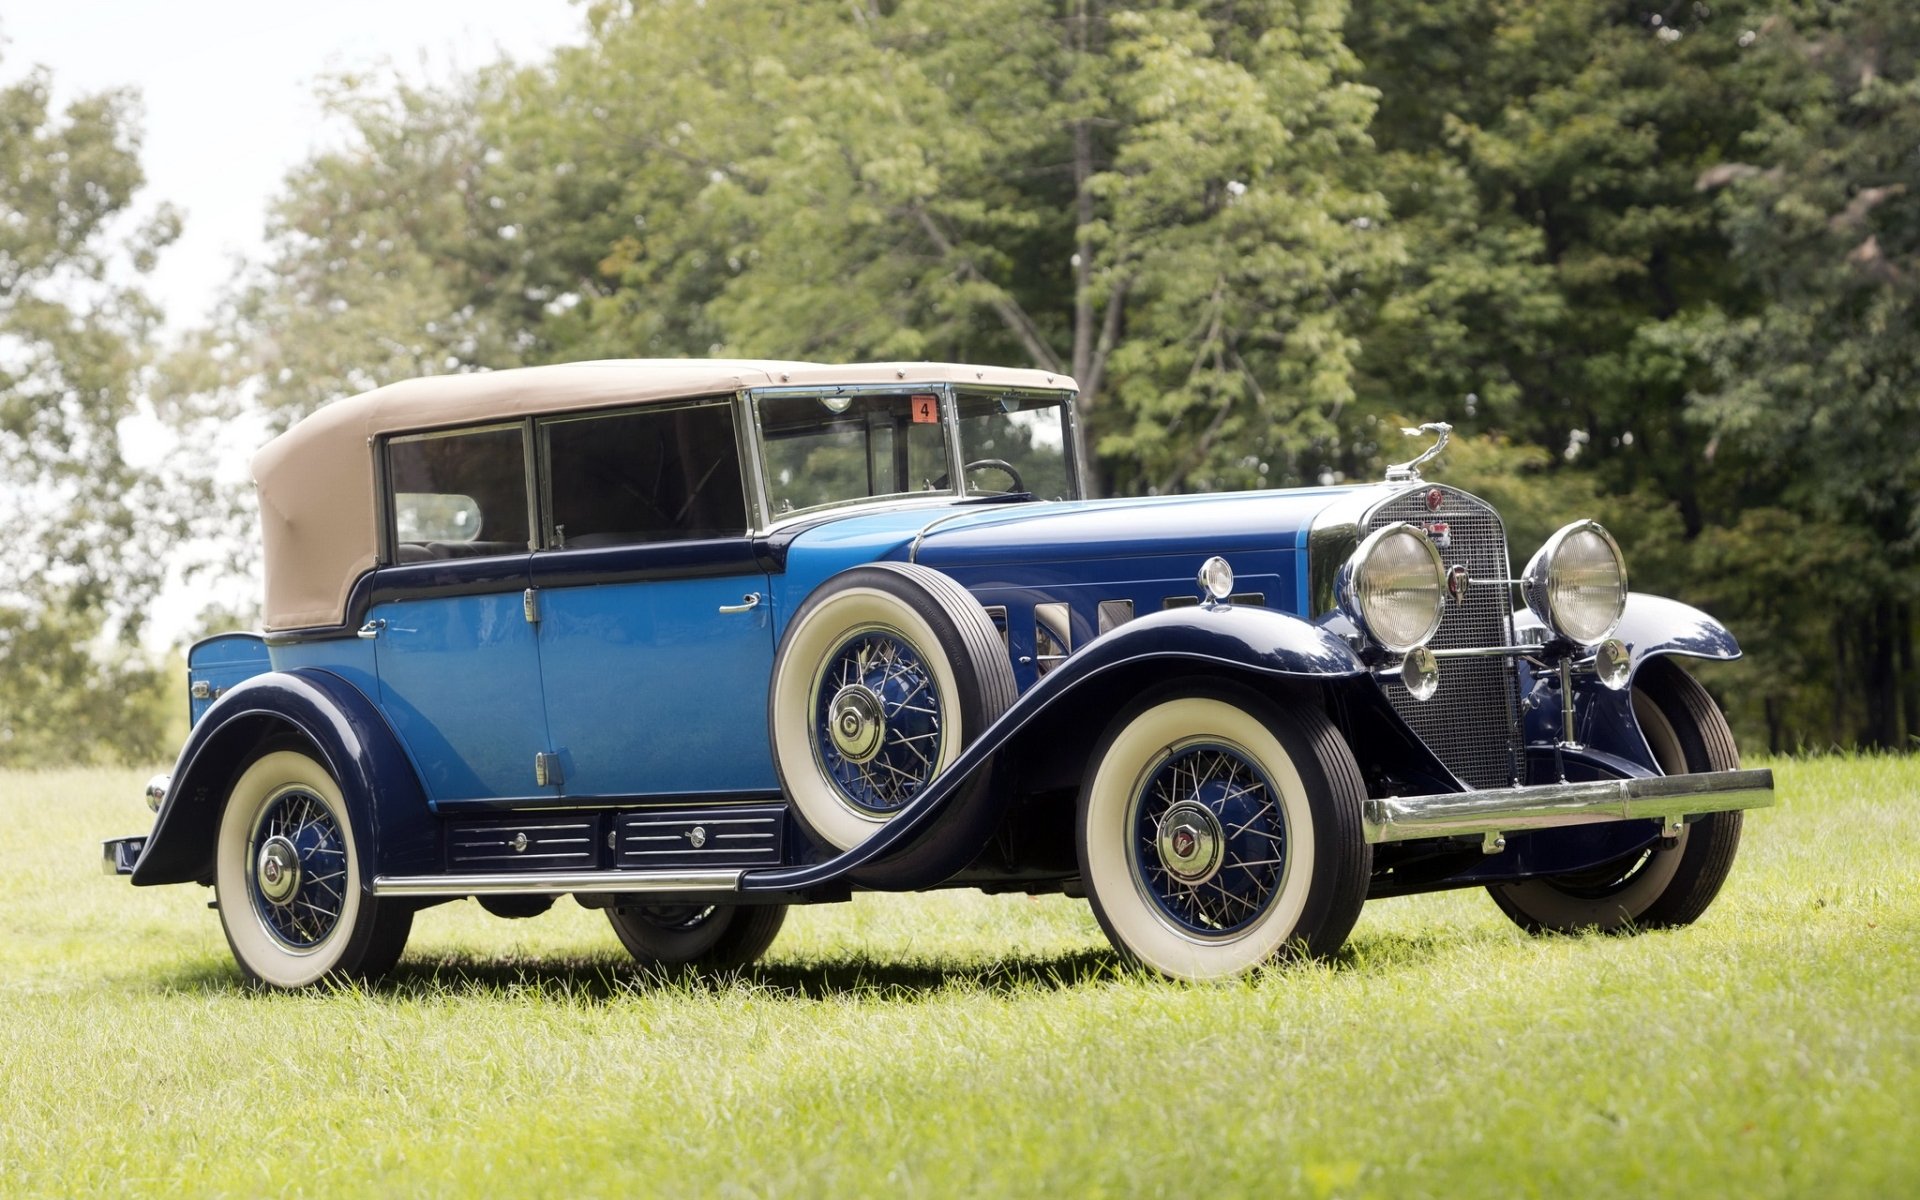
(959, 1044)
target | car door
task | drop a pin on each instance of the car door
(655, 642)
(457, 657)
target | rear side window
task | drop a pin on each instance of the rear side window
(648, 475)
(458, 495)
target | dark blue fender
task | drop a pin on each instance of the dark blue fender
(1652, 627)
(392, 826)
(1223, 641)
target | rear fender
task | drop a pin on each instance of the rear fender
(1257, 645)
(385, 800)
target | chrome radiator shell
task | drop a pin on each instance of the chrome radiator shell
(1473, 721)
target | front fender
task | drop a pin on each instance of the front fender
(1653, 626)
(384, 796)
(1224, 640)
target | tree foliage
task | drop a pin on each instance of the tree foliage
(83, 547)
(1657, 261)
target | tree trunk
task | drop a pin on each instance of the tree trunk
(1883, 699)
(1909, 681)
(1836, 726)
(1083, 319)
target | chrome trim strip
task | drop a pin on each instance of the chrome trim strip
(1554, 805)
(557, 883)
(1333, 536)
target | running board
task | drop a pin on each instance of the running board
(557, 883)
(1666, 798)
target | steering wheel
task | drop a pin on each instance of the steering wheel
(985, 464)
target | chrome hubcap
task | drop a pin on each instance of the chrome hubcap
(278, 870)
(1191, 842)
(857, 722)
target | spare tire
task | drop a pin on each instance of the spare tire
(883, 677)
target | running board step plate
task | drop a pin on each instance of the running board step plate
(556, 883)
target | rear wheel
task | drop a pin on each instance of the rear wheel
(287, 879)
(1664, 885)
(712, 937)
(1218, 830)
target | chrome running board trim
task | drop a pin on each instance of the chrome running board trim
(1670, 798)
(557, 883)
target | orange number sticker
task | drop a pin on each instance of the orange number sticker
(926, 410)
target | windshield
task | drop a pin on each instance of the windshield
(836, 449)
(832, 449)
(1015, 444)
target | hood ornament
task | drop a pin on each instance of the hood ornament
(1409, 471)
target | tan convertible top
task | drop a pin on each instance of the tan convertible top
(319, 516)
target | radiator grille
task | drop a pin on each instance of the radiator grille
(1471, 723)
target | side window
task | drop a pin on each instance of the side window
(458, 495)
(649, 475)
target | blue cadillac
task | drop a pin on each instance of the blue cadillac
(693, 641)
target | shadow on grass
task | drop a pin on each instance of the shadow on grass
(606, 977)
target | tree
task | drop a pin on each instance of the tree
(1818, 383)
(86, 531)
(1166, 199)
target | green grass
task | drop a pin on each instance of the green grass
(960, 1044)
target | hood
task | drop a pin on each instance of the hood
(977, 535)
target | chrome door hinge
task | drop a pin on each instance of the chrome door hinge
(530, 604)
(546, 769)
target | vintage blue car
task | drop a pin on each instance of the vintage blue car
(692, 641)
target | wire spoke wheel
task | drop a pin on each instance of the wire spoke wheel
(1218, 830)
(883, 678)
(879, 732)
(287, 878)
(1210, 842)
(298, 884)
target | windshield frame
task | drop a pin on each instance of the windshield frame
(765, 518)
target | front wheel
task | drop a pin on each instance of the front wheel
(287, 879)
(1662, 886)
(1218, 830)
(714, 937)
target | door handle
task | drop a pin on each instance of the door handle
(371, 629)
(748, 602)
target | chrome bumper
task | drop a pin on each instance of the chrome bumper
(1669, 799)
(117, 855)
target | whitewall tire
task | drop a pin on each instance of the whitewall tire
(1666, 884)
(287, 879)
(1218, 830)
(882, 679)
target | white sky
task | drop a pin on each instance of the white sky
(228, 87)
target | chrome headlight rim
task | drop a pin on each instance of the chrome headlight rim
(1350, 572)
(1538, 583)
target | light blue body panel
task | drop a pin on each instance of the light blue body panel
(460, 683)
(652, 690)
(221, 662)
(351, 658)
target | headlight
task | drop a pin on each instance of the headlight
(1577, 583)
(1395, 587)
